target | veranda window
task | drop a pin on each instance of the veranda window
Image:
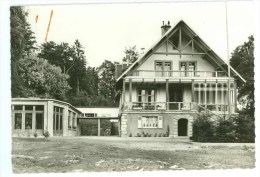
(28, 120)
(18, 121)
(39, 121)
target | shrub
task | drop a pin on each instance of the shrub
(160, 134)
(165, 135)
(245, 128)
(203, 129)
(155, 135)
(46, 134)
(35, 135)
(225, 131)
(138, 135)
(168, 130)
(130, 134)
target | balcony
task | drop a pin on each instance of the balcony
(179, 74)
(177, 106)
(160, 106)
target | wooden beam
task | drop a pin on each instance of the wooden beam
(180, 39)
(186, 45)
(235, 95)
(174, 53)
(199, 95)
(192, 47)
(192, 91)
(98, 126)
(167, 90)
(167, 47)
(173, 46)
(123, 91)
(216, 92)
(130, 90)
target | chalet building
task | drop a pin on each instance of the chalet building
(35, 115)
(180, 75)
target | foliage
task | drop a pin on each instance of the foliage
(225, 130)
(71, 59)
(242, 60)
(43, 79)
(35, 135)
(245, 128)
(46, 134)
(131, 54)
(22, 43)
(107, 81)
(203, 129)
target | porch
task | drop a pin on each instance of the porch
(171, 95)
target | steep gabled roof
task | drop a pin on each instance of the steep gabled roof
(165, 36)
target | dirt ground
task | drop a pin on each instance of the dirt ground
(79, 154)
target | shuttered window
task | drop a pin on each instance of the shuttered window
(149, 121)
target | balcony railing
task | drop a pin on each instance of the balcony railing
(153, 73)
(159, 106)
(176, 106)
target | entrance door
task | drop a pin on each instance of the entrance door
(175, 95)
(182, 127)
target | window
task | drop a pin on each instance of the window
(150, 122)
(90, 114)
(28, 120)
(39, 108)
(74, 121)
(146, 95)
(69, 120)
(163, 68)
(28, 107)
(39, 121)
(187, 69)
(146, 99)
(18, 107)
(18, 121)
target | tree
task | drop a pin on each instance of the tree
(71, 59)
(107, 81)
(242, 60)
(22, 44)
(131, 54)
(43, 79)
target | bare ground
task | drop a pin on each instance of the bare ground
(78, 154)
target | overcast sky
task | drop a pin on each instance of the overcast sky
(106, 29)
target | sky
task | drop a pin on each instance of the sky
(106, 29)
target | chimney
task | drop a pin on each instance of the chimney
(165, 27)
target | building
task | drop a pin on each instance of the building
(35, 115)
(180, 75)
(99, 121)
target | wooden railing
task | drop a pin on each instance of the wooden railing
(177, 106)
(171, 73)
(159, 106)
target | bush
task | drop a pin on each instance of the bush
(46, 134)
(138, 135)
(35, 135)
(245, 128)
(225, 131)
(203, 129)
(130, 134)
(155, 135)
